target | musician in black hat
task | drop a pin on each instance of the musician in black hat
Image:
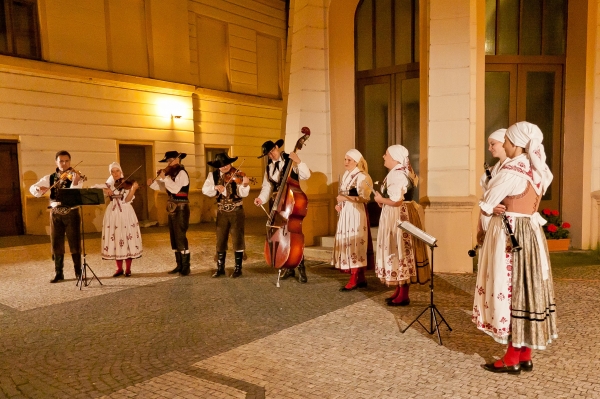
(229, 188)
(175, 179)
(63, 220)
(276, 164)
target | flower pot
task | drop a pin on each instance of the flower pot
(558, 245)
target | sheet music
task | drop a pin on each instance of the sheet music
(417, 232)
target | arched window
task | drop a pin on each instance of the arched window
(387, 80)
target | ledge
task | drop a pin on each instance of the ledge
(466, 203)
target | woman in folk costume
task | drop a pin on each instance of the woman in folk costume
(496, 148)
(353, 248)
(400, 258)
(514, 295)
(121, 237)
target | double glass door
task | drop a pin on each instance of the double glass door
(532, 93)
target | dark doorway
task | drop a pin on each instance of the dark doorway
(11, 213)
(131, 158)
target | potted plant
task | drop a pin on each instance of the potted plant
(556, 231)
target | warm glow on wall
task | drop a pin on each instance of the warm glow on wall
(170, 107)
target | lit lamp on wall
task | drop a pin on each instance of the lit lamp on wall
(169, 108)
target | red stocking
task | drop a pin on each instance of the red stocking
(525, 354)
(511, 357)
(353, 277)
(119, 265)
(128, 265)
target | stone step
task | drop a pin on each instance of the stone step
(318, 253)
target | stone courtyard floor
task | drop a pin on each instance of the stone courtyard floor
(157, 336)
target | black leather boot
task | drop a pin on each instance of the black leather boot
(287, 273)
(77, 264)
(220, 264)
(58, 268)
(302, 272)
(178, 260)
(185, 264)
(239, 257)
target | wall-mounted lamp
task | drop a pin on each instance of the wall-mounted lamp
(176, 116)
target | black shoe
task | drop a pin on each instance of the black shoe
(515, 369)
(220, 264)
(388, 300)
(287, 273)
(219, 272)
(178, 260)
(118, 273)
(185, 264)
(57, 278)
(237, 272)
(526, 365)
(405, 302)
(362, 284)
(128, 274)
(344, 289)
(302, 273)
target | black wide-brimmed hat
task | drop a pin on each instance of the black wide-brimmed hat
(269, 145)
(173, 154)
(222, 159)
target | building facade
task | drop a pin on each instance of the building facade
(127, 80)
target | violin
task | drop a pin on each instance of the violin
(170, 170)
(236, 176)
(123, 184)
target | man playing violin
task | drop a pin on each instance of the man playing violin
(229, 185)
(175, 179)
(276, 164)
(63, 220)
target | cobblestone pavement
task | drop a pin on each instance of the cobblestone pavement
(157, 336)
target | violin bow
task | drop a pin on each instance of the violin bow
(125, 179)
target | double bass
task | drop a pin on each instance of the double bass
(284, 246)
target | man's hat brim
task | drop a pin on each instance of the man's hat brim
(268, 146)
(173, 154)
(219, 163)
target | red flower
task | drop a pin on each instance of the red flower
(552, 228)
(554, 213)
(566, 225)
(547, 212)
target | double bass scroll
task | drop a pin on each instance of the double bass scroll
(284, 245)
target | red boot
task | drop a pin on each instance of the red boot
(119, 271)
(394, 295)
(361, 280)
(402, 299)
(352, 284)
(128, 267)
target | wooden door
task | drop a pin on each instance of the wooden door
(131, 158)
(11, 213)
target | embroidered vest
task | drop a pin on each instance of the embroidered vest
(293, 175)
(232, 192)
(182, 195)
(65, 184)
(526, 203)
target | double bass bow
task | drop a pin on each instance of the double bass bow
(284, 245)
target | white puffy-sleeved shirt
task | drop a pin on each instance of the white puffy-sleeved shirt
(209, 190)
(483, 181)
(173, 186)
(356, 178)
(45, 182)
(396, 184)
(275, 169)
(504, 184)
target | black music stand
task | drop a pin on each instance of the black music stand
(79, 197)
(434, 325)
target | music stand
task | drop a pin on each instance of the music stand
(78, 197)
(434, 325)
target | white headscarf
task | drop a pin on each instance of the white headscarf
(530, 137)
(113, 165)
(498, 135)
(354, 154)
(400, 153)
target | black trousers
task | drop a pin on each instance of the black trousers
(179, 221)
(231, 222)
(69, 224)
